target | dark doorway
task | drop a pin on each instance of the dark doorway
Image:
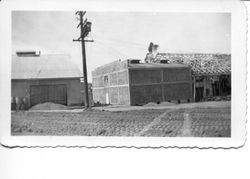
(225, 85)
(48, 93)
(199, 93)
(216, 88)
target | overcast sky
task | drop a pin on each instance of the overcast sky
(120, 35)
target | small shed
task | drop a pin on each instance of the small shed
(37, 78)
(132, 83)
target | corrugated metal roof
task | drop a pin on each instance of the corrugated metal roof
(201, 64)
(43, 67)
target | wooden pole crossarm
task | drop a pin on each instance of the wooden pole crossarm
(89, 40)
(77, 40)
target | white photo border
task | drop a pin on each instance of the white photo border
(238, 62)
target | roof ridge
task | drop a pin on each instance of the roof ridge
(50, 54)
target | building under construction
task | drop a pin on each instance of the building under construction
(132, 83)
(181, 78)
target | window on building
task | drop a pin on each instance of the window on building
(106, 80)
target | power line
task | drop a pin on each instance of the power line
(122, 44)
(121, 41)
(112, 48)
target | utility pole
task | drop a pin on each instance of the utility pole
(85, 28)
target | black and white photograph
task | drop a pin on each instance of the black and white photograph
(127, 74)
(124, 89)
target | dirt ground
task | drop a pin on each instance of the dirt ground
(197, 121)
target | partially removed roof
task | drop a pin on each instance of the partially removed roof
(201, 64)
(43, 67)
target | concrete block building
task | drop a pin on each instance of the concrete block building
(130, 82)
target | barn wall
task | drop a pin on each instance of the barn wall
(20, 88)
(75, 92)
(157, 85)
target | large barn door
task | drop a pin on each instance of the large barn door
(48, 93)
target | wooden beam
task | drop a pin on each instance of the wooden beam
(162, 85)
(194, 88)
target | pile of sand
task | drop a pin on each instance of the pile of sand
(160, 104)
(48, 106)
